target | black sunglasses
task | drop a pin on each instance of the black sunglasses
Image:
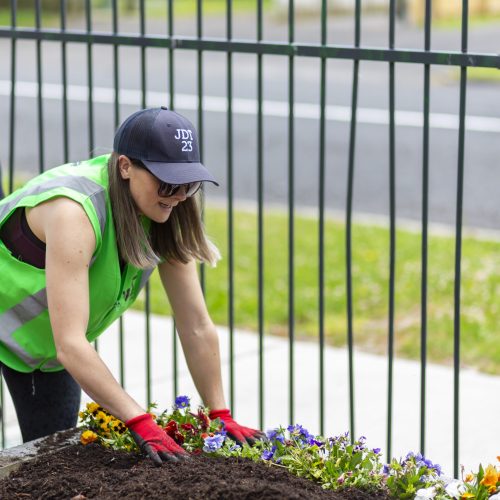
(190, 189)
(166, 189)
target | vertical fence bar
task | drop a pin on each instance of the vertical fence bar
(199, 33)
(350, 187)
(260, 216)
(425, 219)
(90, 79)
(13, 56)
(392, 211)
(230, 222)
(64, 84)
(147, 288)
(321, 240)
(115, 65)
(38, 24)
(116, 124)
(13, 22)
(458, 242)
(171, 104)
(291, 221)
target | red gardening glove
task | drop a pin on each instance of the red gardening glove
(234, 430)
(153, 440)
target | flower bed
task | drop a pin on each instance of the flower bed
(291, 463)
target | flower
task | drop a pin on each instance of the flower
(496, 496)
(299, 431)
(467, 495)
(425, 493)
(182, 402)
(455, 488)
(490, 479)
(213, 443)
(172, 430)
(314, 442)
(203, 418)
(268, 454)
(376, 451)
(190, 428)
(88, 437)
(93, 407)
(275, 434)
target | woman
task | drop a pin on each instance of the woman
(77, 244)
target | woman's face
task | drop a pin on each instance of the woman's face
(144, 189)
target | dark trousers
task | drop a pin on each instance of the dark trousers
(44, 402)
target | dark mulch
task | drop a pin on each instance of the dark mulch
(79, 472)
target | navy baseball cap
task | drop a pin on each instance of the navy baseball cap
(166, 142)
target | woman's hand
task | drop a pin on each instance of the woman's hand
(154, 441)
(234, 430)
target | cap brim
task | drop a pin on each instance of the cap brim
(179, 173)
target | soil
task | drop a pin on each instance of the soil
(79, 472)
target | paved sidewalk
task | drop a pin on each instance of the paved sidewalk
(479, 413)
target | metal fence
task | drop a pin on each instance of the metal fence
(289, 49)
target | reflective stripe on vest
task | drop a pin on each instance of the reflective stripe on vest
(145, 276)
(15, 317)
(82, 185)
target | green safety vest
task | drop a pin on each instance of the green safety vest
(26, 338)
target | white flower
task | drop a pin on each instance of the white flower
(455, 488)
(496, 496)
(425, 493)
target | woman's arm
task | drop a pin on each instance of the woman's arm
(70, 239)
(197, 332)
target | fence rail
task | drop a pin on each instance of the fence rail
(323, 51)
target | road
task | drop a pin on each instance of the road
(371, 181)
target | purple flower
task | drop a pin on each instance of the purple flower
(387, 469)
(268, 454)
(299, 431)
(182, 402)
(213, 443)
(376, 451)
(275, 434)
(311, 441)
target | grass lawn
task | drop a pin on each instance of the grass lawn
(153, 9)
(480, 309)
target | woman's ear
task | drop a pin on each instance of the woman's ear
(125, 165)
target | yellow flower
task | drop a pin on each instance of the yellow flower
(490, 479)
(88, 437)
(102, 417)
(82, 415)
(91, 407)
(467, 495)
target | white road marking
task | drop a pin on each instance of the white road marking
(373, 116)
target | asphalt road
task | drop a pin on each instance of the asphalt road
(371, 182)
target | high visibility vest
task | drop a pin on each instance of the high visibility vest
(26, 338)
